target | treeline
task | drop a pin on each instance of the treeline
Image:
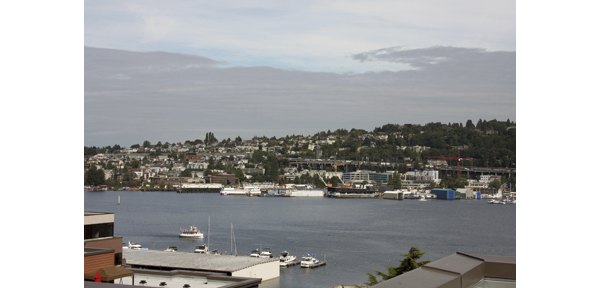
(489, 143)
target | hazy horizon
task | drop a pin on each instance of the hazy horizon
(131, 96)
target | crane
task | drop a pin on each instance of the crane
(457, 158)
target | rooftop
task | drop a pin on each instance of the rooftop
(191, 261)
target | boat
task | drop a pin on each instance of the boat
(255, 253)
(192, 232)
(203, 249)
(265, 253)
(422, 198)
(200, 188)
(233, 191)
(311, 262)
(171, 249)
(494, 201)
(286, 260)
(133, 245)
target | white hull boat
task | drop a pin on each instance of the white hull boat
(192, 232)
(311, 262)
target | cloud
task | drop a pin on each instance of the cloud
(164, 97)
(308, 35)
(423, 57)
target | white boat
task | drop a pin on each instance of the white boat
(132, 245)
(192, 232)
(494, 201)
(422, 198)
(265, 253)
(286, 260)
(203, 249)
(171, 249)
(311, 262)
(255, 253)
(233, 191)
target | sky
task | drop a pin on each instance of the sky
(276, 68)
(313, 35)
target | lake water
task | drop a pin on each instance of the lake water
(354, 236)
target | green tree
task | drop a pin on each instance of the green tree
(410, 262)
(94, 176)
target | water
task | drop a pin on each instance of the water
(354, 236)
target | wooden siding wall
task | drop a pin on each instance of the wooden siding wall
(95, 262)
(115, 243)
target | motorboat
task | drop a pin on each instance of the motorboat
(495, 201)
(255, 253)
(265, 253)
(133, 245)
(286, 260)
(201, 249)
(192, 232)
(422, 198)
(311, 262)
(171, 249)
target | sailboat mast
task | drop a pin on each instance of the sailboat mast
(208, 236)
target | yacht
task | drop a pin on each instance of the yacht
(132, 245)
(192, 232)
(311, 262)
(255, 253)
(265, 253)
(201, 249)
(422, 198)
(286, 260)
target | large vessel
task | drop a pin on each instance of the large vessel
(311, 262)
(242, 191)
(349, 192)
(306, 191)
(200, 188)
(192, 232)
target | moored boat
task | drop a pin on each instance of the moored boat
(203, 249)
(311, 262)
(286, 260)
(265, 253)
(255, 253)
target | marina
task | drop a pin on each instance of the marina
(357, 235)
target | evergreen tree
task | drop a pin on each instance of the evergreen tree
(410, 262)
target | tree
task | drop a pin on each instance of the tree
(146, 144)
(94, 176)
(410, 262)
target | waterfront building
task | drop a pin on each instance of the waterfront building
(366, 175)
(444, 194)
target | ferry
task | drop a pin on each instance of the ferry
(192, 232)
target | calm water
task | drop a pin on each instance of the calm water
(355, 236)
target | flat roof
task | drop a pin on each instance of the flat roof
(191, 261)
